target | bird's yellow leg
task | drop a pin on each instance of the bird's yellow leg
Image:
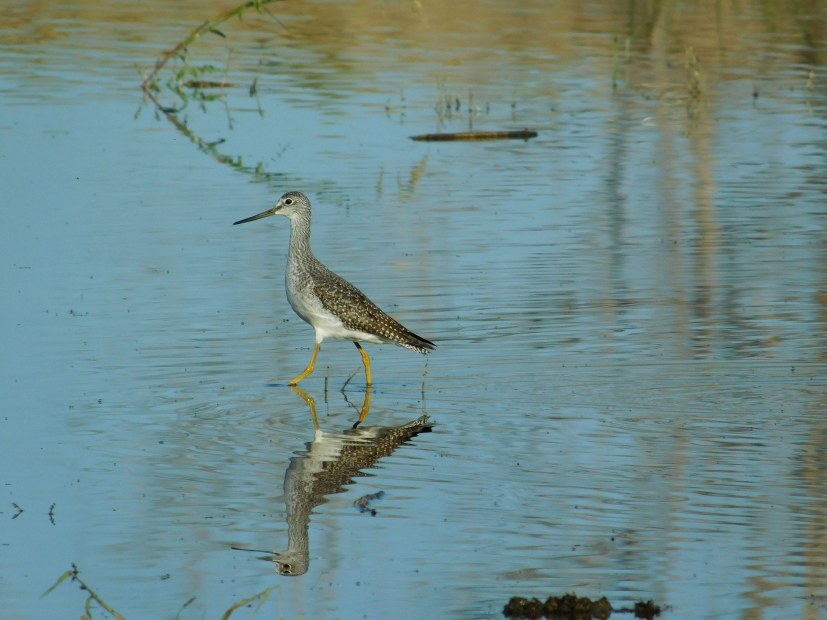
(365, 361)
(310, 367)
(311, 403)
(365, 409)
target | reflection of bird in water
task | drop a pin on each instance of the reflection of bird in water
(331, 461)
(332, 305)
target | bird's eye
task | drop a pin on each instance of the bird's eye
(288, 201)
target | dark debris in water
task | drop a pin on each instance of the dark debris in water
(363, 503)
(646, 609)
(573, 607)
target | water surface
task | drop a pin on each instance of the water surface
(629, 389)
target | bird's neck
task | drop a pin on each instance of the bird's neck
(300, 239)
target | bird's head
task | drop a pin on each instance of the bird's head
(289, 205)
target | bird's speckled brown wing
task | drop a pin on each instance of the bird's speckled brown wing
(357, 312)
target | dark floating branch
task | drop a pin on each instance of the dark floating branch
(520, 134)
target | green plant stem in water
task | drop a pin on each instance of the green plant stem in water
(74, 575)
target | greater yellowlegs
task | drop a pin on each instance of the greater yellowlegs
(332, 305)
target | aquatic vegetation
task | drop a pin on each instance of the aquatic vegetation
(93, 597)
(191, 83)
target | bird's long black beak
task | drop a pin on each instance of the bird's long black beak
(258, 216)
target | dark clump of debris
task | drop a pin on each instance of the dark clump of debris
(519, 607)
(573, 607)
(568, 606)
(646, 609)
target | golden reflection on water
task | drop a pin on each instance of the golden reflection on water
(644, 43)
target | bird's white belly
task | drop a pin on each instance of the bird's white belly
(326, 324)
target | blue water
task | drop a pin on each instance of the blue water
(629, 386)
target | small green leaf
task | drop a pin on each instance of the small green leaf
(61, 579)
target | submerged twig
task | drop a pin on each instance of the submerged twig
(261, 597)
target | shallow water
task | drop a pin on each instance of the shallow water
(629, 387)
